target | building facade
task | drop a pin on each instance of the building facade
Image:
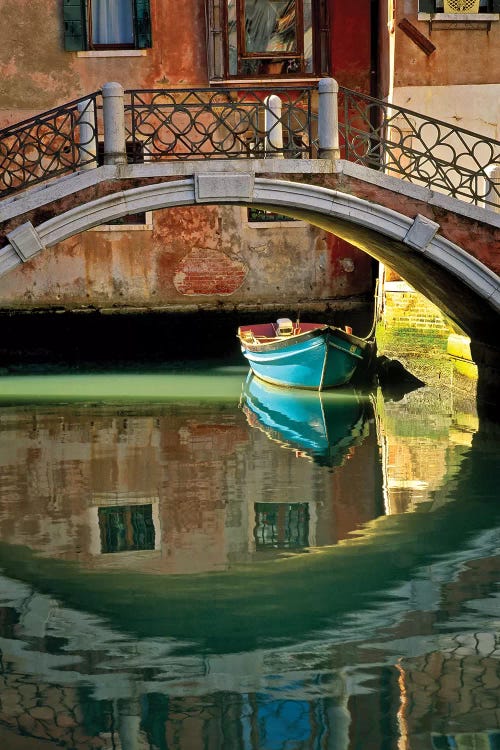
(439, 58)
(188, 258)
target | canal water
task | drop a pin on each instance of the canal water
(193, 560)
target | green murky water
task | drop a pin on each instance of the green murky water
(191, 559)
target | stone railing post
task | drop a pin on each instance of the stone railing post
(115, 151)
(492, 192)
(273, 125)
(328, 119)
(87, 134)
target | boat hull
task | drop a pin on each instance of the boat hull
(324, 358)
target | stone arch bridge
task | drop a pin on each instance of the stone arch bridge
(445, 247)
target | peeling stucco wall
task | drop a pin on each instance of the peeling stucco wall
(190, 253)
(37, 73)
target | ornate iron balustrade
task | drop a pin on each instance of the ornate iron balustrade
(417, 148)
(220, 124)
(54, 143)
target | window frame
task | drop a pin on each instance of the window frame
(259, 220)
(119, 45)
(77, 28)
(267, 55)
(218, 44)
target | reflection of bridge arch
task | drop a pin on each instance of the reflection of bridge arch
(329, 586)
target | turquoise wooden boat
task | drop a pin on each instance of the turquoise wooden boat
(302, 355)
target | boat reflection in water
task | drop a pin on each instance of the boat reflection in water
(320, 426)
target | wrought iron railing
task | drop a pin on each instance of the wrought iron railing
(220, 124)
(417, 148)
(54, 143)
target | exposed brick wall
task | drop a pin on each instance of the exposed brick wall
(406, 308)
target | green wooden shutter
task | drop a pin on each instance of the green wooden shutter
(142, 24)
(215, 40)
(75, 27)
(426, 6)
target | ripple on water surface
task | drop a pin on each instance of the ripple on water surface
(191, 561)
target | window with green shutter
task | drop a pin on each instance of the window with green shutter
(106, 24)
(75, 25)
(142, 24)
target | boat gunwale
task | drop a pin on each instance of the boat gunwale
(275, 344)
(283, 343)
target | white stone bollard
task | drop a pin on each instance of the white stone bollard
(492, 192)
(87, 135)
(328, 119)
(115, 151)
(273, 126)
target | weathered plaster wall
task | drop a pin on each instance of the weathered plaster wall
(458, 82)
(465, 54)
(474, 107)
(350, 38)
(37, 73)
(189, 255)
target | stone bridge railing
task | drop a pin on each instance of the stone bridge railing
(117, 127)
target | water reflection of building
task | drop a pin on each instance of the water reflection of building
(129, 492)
(175, 491)
(418, 445)
(68, 678)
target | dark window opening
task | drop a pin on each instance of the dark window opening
(281, 526)
(125, 528)
(258, 214)
(135, 155)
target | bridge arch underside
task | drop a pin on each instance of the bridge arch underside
(456, 282)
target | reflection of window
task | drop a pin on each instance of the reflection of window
(487, 740)
(106, 24)
(281, 525)
(9, 618)
(126, 527)
(268, 38)
(295, 720)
